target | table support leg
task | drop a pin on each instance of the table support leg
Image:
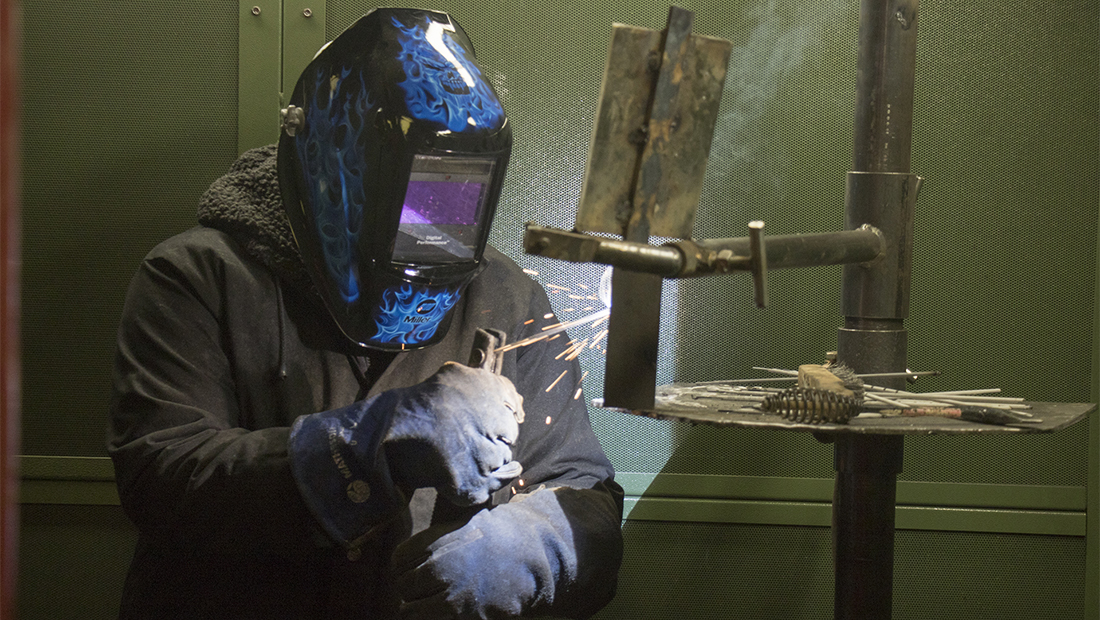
(863, 524)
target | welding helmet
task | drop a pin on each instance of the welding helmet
(391, 157)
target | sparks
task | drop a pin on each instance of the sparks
(598, 337)
(563, 373)
(530, 272)
(595, 318)
(573, 350)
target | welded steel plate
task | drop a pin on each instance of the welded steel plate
(699, 403)
(678, 142)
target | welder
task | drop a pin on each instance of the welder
(290, 432)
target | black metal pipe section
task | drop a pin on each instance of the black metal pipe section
(875, 301)
(686, 258)
(862, 245)
(886, 70)
(863, 524)
(886, 201)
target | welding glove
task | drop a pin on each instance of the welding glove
(553, 551)
(453, 432)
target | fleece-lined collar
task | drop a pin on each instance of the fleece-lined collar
(246, 205)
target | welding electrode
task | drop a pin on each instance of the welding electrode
(982, 415)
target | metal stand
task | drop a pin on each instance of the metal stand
(648, 164)
(875, 302)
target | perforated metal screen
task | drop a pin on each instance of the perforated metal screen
(706, 571)
(129, 111)
(1005, 134)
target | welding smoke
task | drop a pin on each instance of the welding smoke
(775, 49)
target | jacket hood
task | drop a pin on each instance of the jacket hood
(246, 205)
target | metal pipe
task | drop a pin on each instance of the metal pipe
(686, 258)
(875, 303)
(862, 245)
(886, 70)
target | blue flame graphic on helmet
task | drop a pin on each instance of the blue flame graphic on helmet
(442, 84)
(410, 315)
(335, 170)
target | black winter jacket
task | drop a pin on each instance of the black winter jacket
(217, 356)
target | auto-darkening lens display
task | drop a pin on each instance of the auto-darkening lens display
(441, 202)
(441, 215)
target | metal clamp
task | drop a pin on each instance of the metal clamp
(484, 353)
(291, 119)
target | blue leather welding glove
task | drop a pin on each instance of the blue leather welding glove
(453, 432)
(537, 554)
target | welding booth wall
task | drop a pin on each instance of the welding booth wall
(131, 109)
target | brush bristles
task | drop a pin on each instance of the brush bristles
(851, 380)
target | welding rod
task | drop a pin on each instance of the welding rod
(793, 374)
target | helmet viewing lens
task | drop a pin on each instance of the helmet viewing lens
(443, 210)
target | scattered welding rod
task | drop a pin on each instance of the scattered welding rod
(794, 374)
(983, 415)
(932, 399)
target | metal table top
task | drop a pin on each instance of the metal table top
(699, 403)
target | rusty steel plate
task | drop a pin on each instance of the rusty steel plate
(675, 146)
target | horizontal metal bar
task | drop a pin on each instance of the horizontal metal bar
(69, 492)
(36, 467)
(930, 494)
(1039, 522)
(727, 511)
(582, 248)
(861, 245)
(73, 480)
(687, 258)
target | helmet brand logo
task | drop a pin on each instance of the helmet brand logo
(409, 315)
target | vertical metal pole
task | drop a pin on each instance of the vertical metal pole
(875, 302)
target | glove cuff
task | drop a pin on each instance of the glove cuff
(340, 469)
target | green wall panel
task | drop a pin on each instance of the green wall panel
(73, 561)
(712, 571)
(129, 111)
